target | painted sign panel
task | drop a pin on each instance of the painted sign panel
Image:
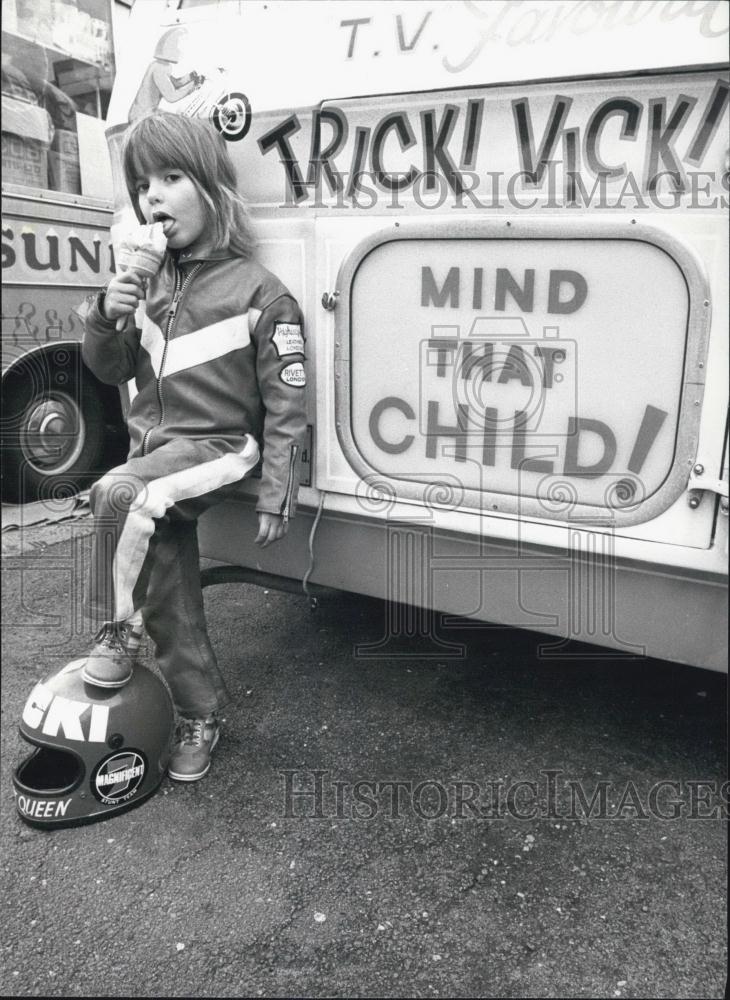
(542, 368)
(35, 251)
(646, 144)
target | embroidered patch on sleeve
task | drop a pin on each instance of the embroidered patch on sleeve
(293, 375)
(288, 339)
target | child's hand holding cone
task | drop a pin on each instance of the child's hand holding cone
(139, 254)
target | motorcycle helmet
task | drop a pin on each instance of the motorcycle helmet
(98, 751)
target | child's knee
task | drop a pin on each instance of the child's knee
(153, 502)
(116, 492)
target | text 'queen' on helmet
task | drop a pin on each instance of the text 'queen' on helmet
(98, 751)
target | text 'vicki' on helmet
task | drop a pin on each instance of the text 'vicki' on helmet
(98, 751)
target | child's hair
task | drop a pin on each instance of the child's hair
(162, 140)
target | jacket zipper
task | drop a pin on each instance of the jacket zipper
(286, 504)
(180, 286)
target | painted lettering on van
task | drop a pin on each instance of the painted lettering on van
(515, 23)
(403, 44)
(444, 144)
(499, 386)
(36, 250)
(500, 427)
(566, 290)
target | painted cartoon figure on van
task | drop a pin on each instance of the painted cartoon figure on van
(177, 80)
(164, 78)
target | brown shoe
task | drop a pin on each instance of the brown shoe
(195, 740)
(111, 661)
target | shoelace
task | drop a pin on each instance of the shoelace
(113, 635)
(191, 732)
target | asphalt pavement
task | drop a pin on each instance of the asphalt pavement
(398, 820)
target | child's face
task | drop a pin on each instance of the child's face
(170, 197)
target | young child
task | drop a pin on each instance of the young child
(216, 347)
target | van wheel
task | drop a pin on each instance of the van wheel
(52, 440)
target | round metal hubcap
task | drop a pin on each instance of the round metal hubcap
(53, 432)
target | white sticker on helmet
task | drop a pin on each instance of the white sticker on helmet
(118, 778)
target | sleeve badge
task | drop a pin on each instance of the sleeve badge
(293, 375)
(288, 339)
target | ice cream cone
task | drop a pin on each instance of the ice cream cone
(146, 262)
(141, 249)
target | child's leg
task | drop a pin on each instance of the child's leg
(175, 619)
(117, 502)
(128, 504)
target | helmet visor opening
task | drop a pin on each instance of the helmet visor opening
(49, 771)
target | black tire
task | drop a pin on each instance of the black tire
(53, 430)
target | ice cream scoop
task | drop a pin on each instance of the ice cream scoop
(140, 249)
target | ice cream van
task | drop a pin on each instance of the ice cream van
(506, 223)
(58, 422)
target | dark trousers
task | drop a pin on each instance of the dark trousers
(145, 556)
